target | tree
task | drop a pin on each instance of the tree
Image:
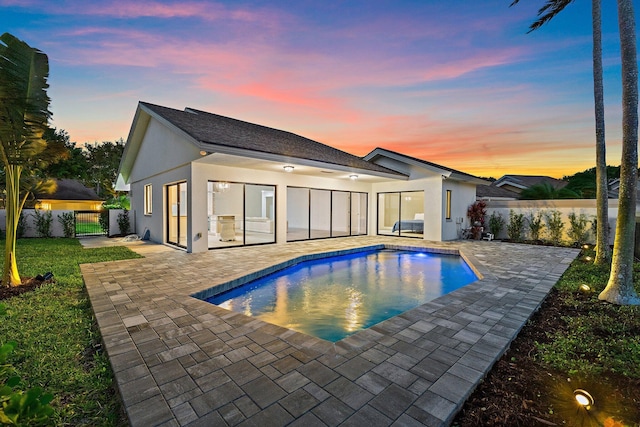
(72, 164)
(620, 288)
(546, 13)
(546, 191)
(24, 113)
(104, 160)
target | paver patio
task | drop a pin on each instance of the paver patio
(181, 361)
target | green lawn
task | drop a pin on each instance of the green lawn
(88, 228)
(56, 333)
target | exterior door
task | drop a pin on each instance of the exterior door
(177, 210)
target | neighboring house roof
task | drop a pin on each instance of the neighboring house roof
(489, 192)
(522, 182)
(443, 170)
(219, 134)
(614, 189)
(70, 189)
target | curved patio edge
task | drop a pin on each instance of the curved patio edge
(181, 361)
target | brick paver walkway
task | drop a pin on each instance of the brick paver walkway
(182, 361)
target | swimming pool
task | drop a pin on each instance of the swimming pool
(332, 298)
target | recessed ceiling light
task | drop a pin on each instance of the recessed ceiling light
(288, 168)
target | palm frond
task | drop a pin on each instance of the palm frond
(24, 103)
(547, 12)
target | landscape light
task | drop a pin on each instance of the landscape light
(584, 289)
(588, 258)
(585, 246)
(583, 398)
(288, 168)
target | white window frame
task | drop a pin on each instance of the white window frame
(148, 199)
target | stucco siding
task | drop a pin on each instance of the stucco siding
(462, 196)
(154, 222)
(161, 150)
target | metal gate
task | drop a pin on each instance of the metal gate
(91, 223)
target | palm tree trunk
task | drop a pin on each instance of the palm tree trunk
(603, 252)
(620, 289)
(10, 275)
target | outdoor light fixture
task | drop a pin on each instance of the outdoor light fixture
(353, 177)
(588, 258)
(585, 246)
(584, 289)
(203, 153)
(583, 398)
(288, 168)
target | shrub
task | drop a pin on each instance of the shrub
(21, 228)
(104, 220)
(496, 223)
(17, 407)
(515, 229)
(578, 228)
(123, 222)
(555, 226)
(68, 221)
(535, 224)
(476, 214)
(43, 223)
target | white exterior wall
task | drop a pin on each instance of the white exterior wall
(565, 207)
(56, 227)
(201, 173)
(155, 222)
(463, 195)
(161, 150)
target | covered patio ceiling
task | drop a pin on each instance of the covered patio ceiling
(300, 167)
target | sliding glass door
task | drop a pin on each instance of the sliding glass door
(401, 214)
(240, 214)
(177, 210)
(317, 214)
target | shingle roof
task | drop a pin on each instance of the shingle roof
(491, 191)
(371, 156)
(530, 180)
(209, 128)
(70, 189)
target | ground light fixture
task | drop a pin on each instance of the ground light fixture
(588, 259)
(584, 289)
(288, 168)
(583, 398)
(585, 246)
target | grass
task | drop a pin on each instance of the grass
(56, 332)
(88, 228)
(599, 338)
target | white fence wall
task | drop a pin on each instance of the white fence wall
(565, 207)
(56, 226)
(114, 228)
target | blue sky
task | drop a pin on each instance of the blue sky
(459, 83)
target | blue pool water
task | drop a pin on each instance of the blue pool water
(332, 298)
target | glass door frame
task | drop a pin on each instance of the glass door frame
(178, 213)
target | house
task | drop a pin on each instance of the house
(491, 192)
(70, 194)
(202, 181)
(517, 183)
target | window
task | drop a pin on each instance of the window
(447, 209)
(147, 199)
(401, 214)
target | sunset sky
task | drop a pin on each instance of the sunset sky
(458, 83)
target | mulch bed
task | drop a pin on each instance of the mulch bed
(519, 391)
(28, 284)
